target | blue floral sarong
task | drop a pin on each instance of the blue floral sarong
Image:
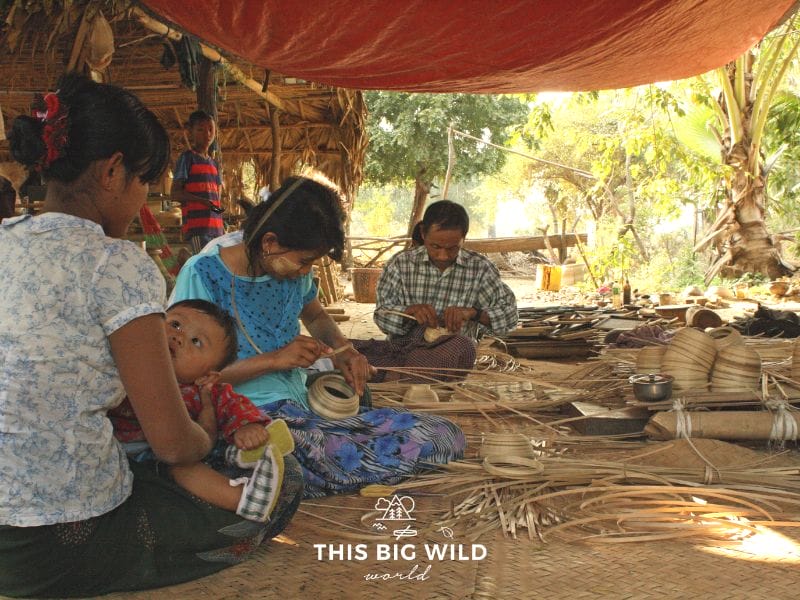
(384, 445)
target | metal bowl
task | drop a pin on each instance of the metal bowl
(651, 387)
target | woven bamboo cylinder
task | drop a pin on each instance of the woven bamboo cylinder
(737, 368)
(725, 336)
(689, 359)
(649, 359)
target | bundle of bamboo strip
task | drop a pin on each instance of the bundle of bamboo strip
(617, 501)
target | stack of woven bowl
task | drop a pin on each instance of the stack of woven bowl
(796, 360)
(737, 368)
(649, 359)
(420, 393)
(689, 359)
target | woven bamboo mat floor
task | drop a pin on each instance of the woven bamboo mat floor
(289, 568)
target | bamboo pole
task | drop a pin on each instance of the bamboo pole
(277, 149)
(233, 71)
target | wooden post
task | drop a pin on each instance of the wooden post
(347, 258)
(277, 147)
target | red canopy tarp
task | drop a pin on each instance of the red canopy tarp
(480, 45)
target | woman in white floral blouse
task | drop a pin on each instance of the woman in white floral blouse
(81, 326)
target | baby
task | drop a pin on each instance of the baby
(202, 341)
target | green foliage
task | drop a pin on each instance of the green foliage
(673, 265)
(782, 145)
(381, 211)
(409, 131)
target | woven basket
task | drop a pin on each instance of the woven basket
(365, 284)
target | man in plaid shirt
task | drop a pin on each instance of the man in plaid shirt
(440, 284)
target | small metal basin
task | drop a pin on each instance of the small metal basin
(651, 387)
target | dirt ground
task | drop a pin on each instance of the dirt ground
(361, 326)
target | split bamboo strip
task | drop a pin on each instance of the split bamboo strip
(614, 502)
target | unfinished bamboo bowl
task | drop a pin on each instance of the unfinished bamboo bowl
(689, 359)
(420, 393)
(434, 333)
(649, 359)
(331, 397)
(737, 368)
(497, 446)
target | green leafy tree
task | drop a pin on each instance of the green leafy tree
(613, 157)
(408, 136)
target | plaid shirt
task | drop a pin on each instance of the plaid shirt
(472, 282)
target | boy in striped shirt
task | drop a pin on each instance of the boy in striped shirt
(196, 184)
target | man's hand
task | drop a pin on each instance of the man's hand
(250, 436)
(456, 316)
(425, 314)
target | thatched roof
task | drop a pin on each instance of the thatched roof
(318, 125)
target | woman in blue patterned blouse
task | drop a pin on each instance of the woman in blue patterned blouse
(265, 281)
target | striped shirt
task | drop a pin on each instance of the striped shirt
(472, 281)
(201, 178)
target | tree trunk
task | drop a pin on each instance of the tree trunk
(422, 188)
(750, 246)
(740, 235)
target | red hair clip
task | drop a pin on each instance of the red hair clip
(50, 111)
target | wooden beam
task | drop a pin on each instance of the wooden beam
(327, 153)
(513, 244)
(254, 128)
(524, 244)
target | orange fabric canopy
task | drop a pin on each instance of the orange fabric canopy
(480, 45)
